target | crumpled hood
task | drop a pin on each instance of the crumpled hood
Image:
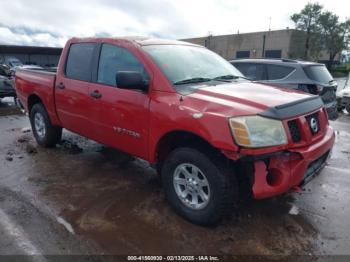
(247, 97)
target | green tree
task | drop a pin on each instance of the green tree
(335, 34)
(308, 20)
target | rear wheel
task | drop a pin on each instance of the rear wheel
(44, 132)
(198, 188)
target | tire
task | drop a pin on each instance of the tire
(222, 191)
(44, 132)
(340, 108)
(347, 107)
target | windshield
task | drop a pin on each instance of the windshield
(318, 73)
(184, 64)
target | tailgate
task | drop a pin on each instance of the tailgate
(36, 82)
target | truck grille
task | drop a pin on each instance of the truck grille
(308, 128)
(294, 130)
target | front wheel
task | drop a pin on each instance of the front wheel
(44, 132)
(199, 189)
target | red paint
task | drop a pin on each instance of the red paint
(291, 167)
(297, 189)
(159, 112)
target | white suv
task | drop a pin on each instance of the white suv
(343, 97)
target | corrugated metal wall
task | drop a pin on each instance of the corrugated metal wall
(43, 56)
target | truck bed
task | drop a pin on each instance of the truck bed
(35, 83)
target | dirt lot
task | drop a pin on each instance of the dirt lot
(84, 198)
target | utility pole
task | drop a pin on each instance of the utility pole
(263, 47)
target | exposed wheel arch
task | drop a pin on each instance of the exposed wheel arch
(32, 100)
(176, 139)
(180, 138)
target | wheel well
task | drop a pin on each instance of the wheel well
(32, 100)
(177, 139)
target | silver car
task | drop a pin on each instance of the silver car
(309, 77)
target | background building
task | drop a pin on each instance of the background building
(287, 43)
(42, 56)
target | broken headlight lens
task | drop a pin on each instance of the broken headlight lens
(257, 131)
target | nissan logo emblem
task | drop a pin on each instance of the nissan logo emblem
(314, 125)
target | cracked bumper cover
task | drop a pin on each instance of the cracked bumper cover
(293, 168)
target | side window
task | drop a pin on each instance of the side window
(79, 59)
(275, 72)
(252, 71)
(114, 59)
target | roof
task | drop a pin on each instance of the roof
(141, 40)
(274, 61)
(157, 41)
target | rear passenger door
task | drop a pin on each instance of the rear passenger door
(72, 87)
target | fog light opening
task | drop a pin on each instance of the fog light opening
(274, 178)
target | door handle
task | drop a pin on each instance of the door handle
(60, 86)
(96, 94)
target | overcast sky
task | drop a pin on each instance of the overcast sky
(52, 22)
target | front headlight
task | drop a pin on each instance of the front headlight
(257, 131)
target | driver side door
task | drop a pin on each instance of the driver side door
(120, 117)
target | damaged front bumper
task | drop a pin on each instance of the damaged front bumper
(277, 173)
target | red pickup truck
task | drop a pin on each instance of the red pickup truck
(207, 130)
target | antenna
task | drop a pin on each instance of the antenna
(270, 23)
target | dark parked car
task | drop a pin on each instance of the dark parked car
(6, 82)
(13, 61)
(309, 77)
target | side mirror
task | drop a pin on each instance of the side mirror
(130, 80)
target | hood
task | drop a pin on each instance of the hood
(245, 97)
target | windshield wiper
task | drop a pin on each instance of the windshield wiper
(224, 78)
(228, 77)
(192, 80)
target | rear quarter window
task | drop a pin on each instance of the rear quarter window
(318, 73)
(251, 70)
(78, 65)
(276, 72)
